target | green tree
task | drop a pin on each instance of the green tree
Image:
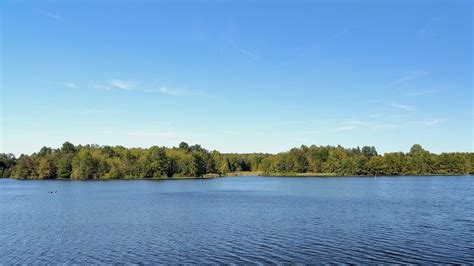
(24, 168)
(7, 162)
(156, 162)
(94, 161)
(369, 151)
(46, 168)
(84, 166)
(68, 148)
(298, 162)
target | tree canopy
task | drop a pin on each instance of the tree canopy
(107, 162)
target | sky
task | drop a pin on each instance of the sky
(237, 76)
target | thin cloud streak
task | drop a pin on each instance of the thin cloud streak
(409, 77)
(349, 125)
(249, 54)
(52, 15)
(71, 85)
(174, 91)
(419, 93)
(120, 84)
(133, 86)
(245, 52)
(434, 122)
(403, 107)
(171, 91)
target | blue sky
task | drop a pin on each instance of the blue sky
(237, 76)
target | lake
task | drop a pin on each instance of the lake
(239, 220)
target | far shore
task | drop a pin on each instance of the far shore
(325, 174)
(240, 174)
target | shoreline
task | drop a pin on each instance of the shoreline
(240, 174)
(329, 175)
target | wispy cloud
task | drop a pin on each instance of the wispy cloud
(403, 107)
(421, 92)
(433, 122)
(409, 77)
(116, 84)
(368, 124)
(340, 126)
(52, 15)
(249, 54)
(344, 126)
(138, 87)
(174, 91)
(120, 84)
(71, 85)
(357, 124)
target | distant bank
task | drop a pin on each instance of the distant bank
(193, 161)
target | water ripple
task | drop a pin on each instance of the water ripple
(251, 220)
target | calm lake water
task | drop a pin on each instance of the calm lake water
(239, 220)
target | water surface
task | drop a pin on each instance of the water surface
(239, 220)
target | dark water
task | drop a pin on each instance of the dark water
(239, 220)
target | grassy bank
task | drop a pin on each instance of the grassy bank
(303, 174)
(259, 173)
(324, 174)
(236, 174)
(245, 173)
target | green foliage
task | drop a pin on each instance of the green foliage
(155, 163)
(24, 168)
(68, 148)
(7, 161)
(106, 162)
(84, 166)
(46, 168)
(369, 151)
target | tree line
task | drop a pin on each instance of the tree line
(117, 162)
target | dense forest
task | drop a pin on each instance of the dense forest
(106, 162)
